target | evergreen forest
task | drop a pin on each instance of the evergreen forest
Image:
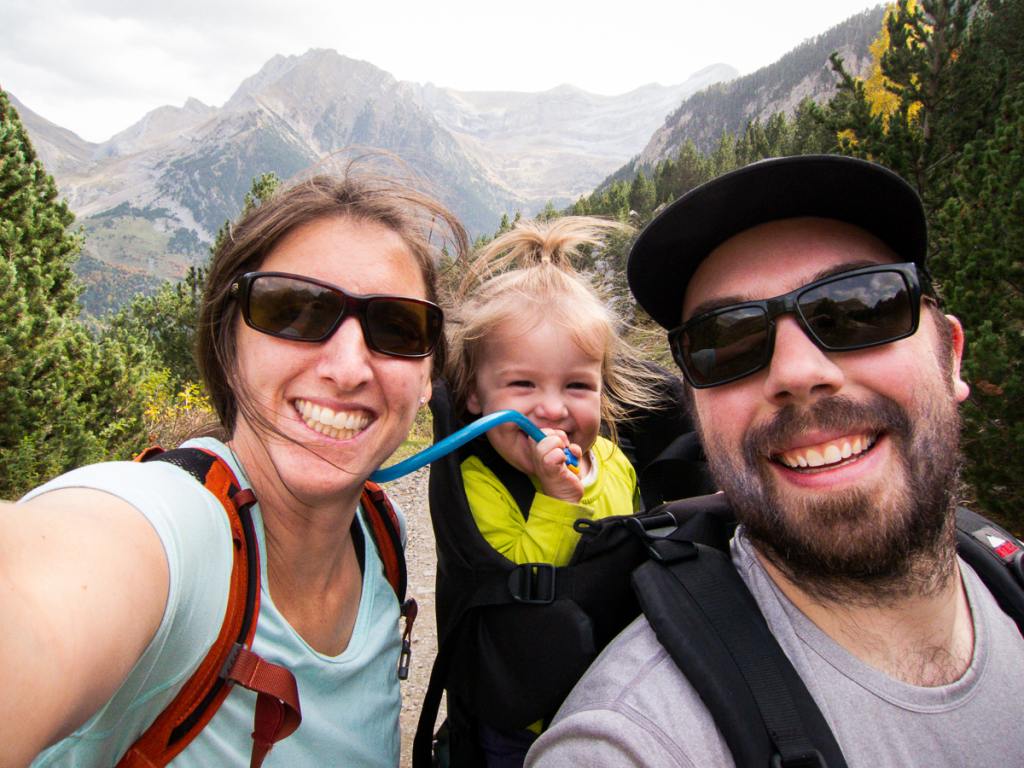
(943, 106)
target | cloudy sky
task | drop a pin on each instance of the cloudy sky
(97, 66)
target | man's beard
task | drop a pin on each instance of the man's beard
(859, 545)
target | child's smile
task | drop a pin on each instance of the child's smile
(545, 376)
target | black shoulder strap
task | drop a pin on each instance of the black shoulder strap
(997, 557)
(679, 471)
(517, 483)
(705, 617)
(703, 614)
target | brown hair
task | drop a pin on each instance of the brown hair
(361, 194)
(543, 286)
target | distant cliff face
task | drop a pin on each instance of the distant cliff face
(558, 144)
(780, 87)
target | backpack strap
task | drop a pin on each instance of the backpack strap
(703, 614)
(387, 537)
(997, 557)
(679, 471)
(230, 659)
(517, 483)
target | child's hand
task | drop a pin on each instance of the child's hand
(556, 479)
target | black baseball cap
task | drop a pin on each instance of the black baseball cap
(867, 195)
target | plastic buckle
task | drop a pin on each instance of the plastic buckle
(533, 583)
(668, 551)
(811, 760)
(229, 662)
(1016, 566)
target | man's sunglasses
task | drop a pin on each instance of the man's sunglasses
(301, 309)
(852, 310)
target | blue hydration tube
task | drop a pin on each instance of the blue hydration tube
(460, 438)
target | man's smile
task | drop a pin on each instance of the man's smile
(827, 455)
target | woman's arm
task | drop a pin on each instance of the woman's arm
(83, 587)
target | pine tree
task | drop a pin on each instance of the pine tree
(723, 159)
(641, 197)
(67, 400)
(164, 325)
(983, 268)
(809, 134)
(950, 64)
(931, 70)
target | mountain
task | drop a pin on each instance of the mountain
(492, 152)
(152, 197)
(197, 162)
(780, 87)
(556, 145)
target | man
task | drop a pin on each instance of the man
(826, 387)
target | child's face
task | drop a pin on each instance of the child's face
(546, 377)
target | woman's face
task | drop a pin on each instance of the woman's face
(370, 399)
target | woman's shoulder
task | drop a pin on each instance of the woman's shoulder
(167, 495)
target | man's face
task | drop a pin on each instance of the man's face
(841, 465)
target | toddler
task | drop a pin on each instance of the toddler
(531, 334)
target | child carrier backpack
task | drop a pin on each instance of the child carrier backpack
(230, 660)
(703, 614)
(513, 639)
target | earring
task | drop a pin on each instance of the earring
(423, 401)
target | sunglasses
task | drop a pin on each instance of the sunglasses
(301, 309)
(853, 310)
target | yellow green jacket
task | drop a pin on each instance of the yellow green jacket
(548, 536)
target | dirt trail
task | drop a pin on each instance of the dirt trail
(410, 493)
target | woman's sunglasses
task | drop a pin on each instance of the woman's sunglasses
(852, 310)
(301, 309)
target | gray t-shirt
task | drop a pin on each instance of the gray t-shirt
(634, 708)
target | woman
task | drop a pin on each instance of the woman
(113, 578)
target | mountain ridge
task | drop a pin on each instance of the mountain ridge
(156, 192)
(518, 150)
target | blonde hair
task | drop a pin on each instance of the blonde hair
(526, 277)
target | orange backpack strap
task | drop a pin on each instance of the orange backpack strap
(230, 659)
(387, 536)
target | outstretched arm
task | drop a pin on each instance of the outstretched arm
(83, 587)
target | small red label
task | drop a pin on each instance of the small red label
(1006, 550)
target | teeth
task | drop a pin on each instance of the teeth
(826, 455)
(341, 425)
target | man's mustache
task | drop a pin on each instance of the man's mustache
(836, 413)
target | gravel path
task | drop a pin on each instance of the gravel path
(410, 493)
